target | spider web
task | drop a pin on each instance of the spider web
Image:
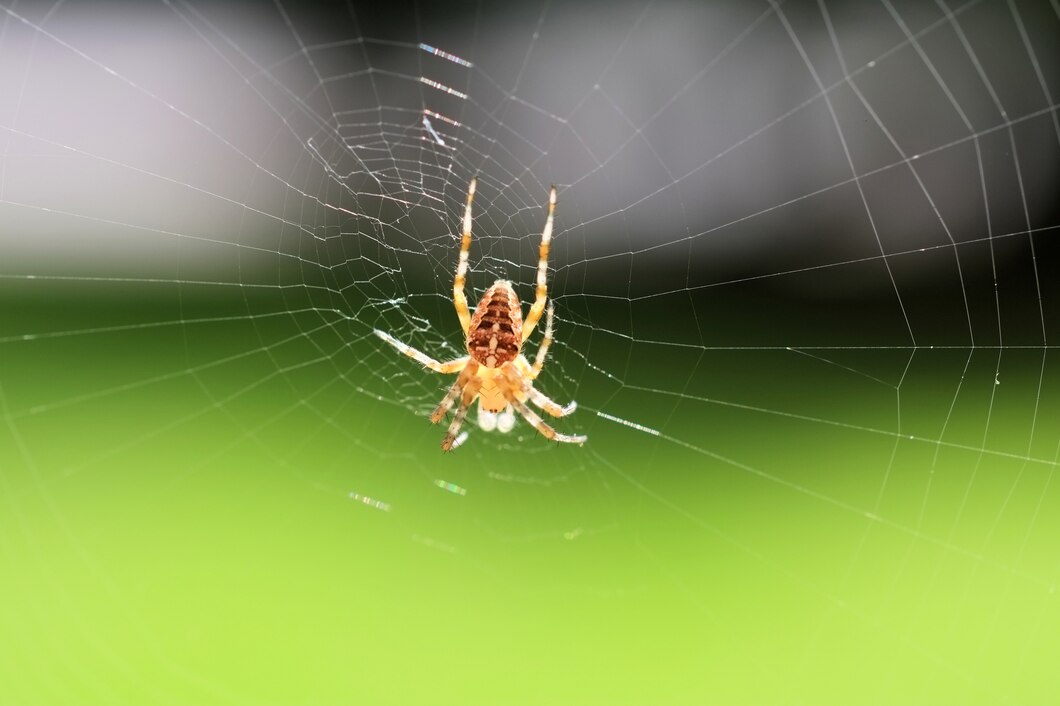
(804, 272)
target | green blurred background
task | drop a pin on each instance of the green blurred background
(217, 486)
(178, 529)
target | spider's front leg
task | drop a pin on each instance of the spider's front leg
(520, 379)
(545, 430)
(548, 404)
(517, 384)
(462, 381)
(468, 392)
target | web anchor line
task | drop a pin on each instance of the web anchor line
(446, 55)
(626, 422)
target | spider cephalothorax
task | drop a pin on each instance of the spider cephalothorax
(495, 372)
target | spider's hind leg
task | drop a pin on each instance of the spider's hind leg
(542, 350)
(459, 299)
(541, 295)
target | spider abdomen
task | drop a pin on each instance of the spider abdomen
(496, 329)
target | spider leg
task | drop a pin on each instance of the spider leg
(544, 402)
(462, 381)
(548, 432)
(517, 383)
(459, 300)
(542, 351)
(542, 270)
(468, 396)
(447, 368)
(518, 378)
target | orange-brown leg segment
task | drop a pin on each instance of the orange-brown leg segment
(548, 432)
(542, 270)
(514, 382)
(467, 397)
(549, 405)
(462, 380)
(448, 367)
(459, 300)
(542, 351)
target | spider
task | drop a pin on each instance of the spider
(495, 372)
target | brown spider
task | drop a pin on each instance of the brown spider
(495, 371)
